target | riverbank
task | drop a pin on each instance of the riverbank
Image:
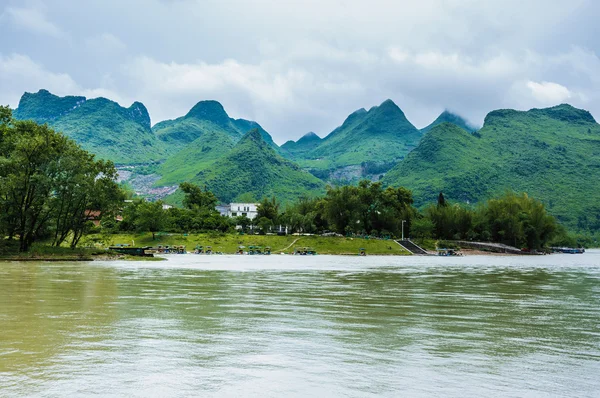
(46, 253)
(229, 243)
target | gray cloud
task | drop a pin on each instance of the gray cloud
(301, 66)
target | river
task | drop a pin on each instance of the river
(322, 326)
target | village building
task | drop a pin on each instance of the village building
(239, 209)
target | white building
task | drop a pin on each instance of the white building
(238, 209)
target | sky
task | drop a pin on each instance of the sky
(300, 66)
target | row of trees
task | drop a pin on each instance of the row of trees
(365, 209)
(198, 214)
(49, 185)
(514, 219)
(368, 208)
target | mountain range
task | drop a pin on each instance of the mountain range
(552, 153)
(99, 125)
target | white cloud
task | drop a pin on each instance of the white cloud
(105, 44)
(549, 92)
(262, 91)
(300, 66)
(34, 20)
(19, 73)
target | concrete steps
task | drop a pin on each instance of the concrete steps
(412, 247)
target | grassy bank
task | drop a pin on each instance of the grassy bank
(42, 252)
(229, 243)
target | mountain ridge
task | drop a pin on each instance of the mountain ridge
(366, 143)
(253, 166)
(99, 125)
(450, 117)
(553, 154)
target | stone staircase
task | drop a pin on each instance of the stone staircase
(412, 247)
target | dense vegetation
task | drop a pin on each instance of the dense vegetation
(367, 209)
(198, 214)
(101, 126)
(381, 135)
(516, 220)
(552, 154)
(204, 118)
(49, 186)
(252, 166)
(449, 117)
(303, 146)
(196, 156)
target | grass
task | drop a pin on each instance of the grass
(45, 252)
(41, 252)
(229, 243)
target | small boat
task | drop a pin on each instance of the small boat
(145, 251)
(448, 252)
(568, 250)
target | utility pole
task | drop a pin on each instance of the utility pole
(403, 221)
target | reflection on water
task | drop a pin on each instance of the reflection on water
(322, 326)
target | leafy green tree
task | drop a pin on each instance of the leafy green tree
(368, 208)
(243, 222)
(30, 166)
(264, 224)
(5, 115)
(422, 228)
(441, 200)
(196, 198)
(48, 184)
(150, 217)
(268, 209)
(246, 197)
(86, 187)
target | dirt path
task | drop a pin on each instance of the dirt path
(291, 244)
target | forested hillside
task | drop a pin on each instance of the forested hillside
(367, 143)
(553, 154)
(253, 167)
(99, 125)
(450, 117)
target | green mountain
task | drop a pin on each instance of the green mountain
(449, 117)
(552, 154)
(204, 117)
(99, 125)
(367, 143)
(304, 145)
(196, 156)
(253, 166)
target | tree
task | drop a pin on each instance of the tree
(441, 200)
(242, 221)
(5, 115)
(268, 209)
(150, 217)
(196, 198)
(246, 197)
(48, 183)
(86, 187)
(30, 166)
(264, 224)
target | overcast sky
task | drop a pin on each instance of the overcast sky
(299, 66)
